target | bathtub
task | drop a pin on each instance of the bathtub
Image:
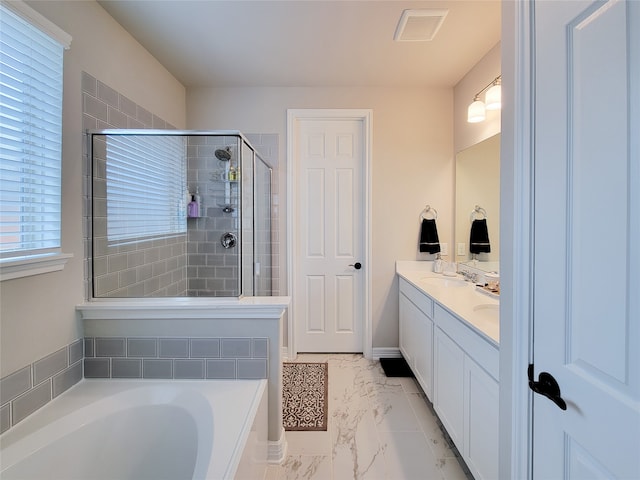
(143, 429)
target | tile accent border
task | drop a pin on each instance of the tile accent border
(33, 386)
(176, 358)
(30, 388)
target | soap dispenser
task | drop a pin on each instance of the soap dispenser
(437, 264)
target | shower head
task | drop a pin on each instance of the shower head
(223, 154)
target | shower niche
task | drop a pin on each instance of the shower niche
(178, 214)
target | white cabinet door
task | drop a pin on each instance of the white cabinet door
(416, 334)
(481, 421)
(406, 327)
(448, 386)
(424, 354)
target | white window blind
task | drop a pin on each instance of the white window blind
(30, 138)
(146, 186)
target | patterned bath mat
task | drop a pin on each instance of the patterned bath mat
(304, 396)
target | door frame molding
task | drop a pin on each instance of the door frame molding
(294, 116)
(517, 191)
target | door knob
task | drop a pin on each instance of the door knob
(356, 265)
(547, 386)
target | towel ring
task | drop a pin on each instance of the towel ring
(478, 211)
(428, 210)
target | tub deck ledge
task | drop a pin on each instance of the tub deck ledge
(184, 308)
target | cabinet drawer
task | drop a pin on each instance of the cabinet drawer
(469, 340)
(417, 297)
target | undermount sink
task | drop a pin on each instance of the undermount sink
(488, 311)
(444, 281)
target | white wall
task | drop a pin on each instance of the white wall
(412, 165)
(37, 314)
(465, 133)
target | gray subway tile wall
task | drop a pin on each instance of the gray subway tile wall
(221, 369)
(205, 347)
(192, 369)
(126, 367)
(15, 384)
(111, 347)
(195, 266)
(157, 368)
(33, 386)
(29, 388)
(236, 348)
(174, 348)
(142, 347)
(97, 368)
(67, 378)
(212, 270)
(268, 144)
(50, 365)
(176, 358)
(5, 417)
(251, 368)
(31, 401)
(124, 270)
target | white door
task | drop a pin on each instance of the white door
(587, 239)
(328, 224)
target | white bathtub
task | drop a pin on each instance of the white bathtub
(143, 429)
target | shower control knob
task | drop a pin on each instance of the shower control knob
(356, 265)
(228, 240)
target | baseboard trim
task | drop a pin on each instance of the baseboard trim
(277, 449)
(385, 352)
(284, 354)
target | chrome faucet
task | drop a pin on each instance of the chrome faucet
(468, 276)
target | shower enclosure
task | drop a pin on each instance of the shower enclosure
(178, 214)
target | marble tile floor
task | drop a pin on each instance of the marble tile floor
(379, 428)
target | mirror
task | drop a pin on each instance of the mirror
(478, 184)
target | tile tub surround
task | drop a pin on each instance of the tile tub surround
(194, 318)
(33, 386)
(176, 358)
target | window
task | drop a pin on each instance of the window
(31, 60)
(146, 187)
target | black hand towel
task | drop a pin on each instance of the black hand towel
(429, 241)
(479, 238)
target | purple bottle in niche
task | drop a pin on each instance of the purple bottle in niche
(193, 209)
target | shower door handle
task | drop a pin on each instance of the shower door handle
(356, 265)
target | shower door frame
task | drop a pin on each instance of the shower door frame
(89, 237)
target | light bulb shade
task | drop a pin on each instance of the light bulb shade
(493, 98)
(476, 112)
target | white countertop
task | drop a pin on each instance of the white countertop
(479, 310)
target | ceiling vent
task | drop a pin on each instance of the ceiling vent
(419, 25)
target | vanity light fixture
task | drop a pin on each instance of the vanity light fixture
(492, 101)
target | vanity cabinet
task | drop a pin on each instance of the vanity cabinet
(416, 333)
(466, 388)
(458, 370)
(481, 421)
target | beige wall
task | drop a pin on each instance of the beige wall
(37, 314)
(465, 133)
(412, 165)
